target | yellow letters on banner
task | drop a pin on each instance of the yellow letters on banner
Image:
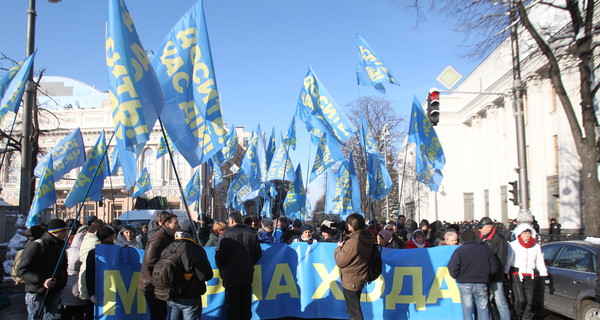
(395, 296)
(436, 292)
(115, 287)
(289, 286)
(377, 291)
(329, 282)
(214, 289)
(257, 292)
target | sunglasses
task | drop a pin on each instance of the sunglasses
(388, 229)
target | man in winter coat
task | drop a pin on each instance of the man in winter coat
(352, 257)
(237, 252)
(494, 239)
(38, 262)
(187, 302)
(154, 248)
(472, 265)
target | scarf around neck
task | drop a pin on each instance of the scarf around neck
(527, 245)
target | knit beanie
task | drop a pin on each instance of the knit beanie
(297, 223)
(386, 235)
(56, 225)
(104, 232)
(305, 227)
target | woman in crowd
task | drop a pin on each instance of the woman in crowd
(352, 257)
(126, 238)
(306, 234)
(417, 240)
(525, 259)
(217, 229)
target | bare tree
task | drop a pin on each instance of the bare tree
(383, 121)
(569, 42)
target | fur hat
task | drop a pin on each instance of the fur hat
(522, 227)
(104, 232)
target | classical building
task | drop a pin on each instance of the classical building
(68, 104)
(477, 131)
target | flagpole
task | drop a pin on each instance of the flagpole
(64, 248)
(185, 204)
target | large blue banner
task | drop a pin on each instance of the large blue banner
(298, 280)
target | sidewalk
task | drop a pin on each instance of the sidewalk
(17, 310)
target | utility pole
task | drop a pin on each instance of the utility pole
(30, 97)
(524, 211)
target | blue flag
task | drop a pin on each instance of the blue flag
(250, 174)
(162, 149)
(330, 191)
(317, 110)
(281, 166)
(239, 190)
(295, 205)
(230, 148)
(347, 194)
(192, 113)
(217, 173)
(379, 182)
(328, 153)
(136, 95)
(11, 99)
(86, 180)
(7, 78)
(271, 146)
(366, 138)
(68, 154)
(143, 184)
(192, 190)
(430, 158)
(45, 194)
(372, 66)
(113, 162)
(267, 208)
(127, 161)
(290, 137)
(261, 154)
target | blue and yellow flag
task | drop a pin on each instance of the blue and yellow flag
(290, 137)
(45, 194)
(135, 93)
(7, 78)
(271, 146)
(330, 191)
(295, 204)
(281, 167)
(11, 99)
(68, 154)
(366, 138)
(162, 149)
(347, 192)
(379, 182)
(250, 167)
(192, 113)
(429, 155)
(217, 173)
(91, 176)
(239, 190)
(121, 157)
(230, 148)
(261, 154)
(328, 153)
(192, 190)
(267, 208)
(113, 162)
(317, 110)
(142, 184)
(372, 66)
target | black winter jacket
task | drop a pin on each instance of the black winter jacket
(238, 251)
(157, 242)
(473, 263)
(196, 267)
(499, 246)
(37, 264)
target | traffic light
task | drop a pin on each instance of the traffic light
(433, 106)
(515, 192)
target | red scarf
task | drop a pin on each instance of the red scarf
(527, 245)
(489, 236)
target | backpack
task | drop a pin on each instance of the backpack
(18, 257)
(375, 266)
(167, 276)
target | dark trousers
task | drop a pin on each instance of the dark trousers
(158, 308)
(73, 313)
(523, 293)
(353, 304)
(238, 302)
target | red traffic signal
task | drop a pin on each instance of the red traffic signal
(433, 106)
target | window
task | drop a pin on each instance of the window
(549, 253)
(90, 210)
(575, 258)
(149, 161)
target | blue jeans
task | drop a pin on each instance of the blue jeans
(497, 289)
(185, 309)
(33, 301)
(477, 292)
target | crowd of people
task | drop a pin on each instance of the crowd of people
(484, 264)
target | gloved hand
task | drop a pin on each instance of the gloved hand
(546, 280)
(94, 299)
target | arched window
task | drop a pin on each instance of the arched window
(148, 161)
(178, 160)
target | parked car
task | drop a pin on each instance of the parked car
(573, 270)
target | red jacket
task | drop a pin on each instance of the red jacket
(411, 245)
